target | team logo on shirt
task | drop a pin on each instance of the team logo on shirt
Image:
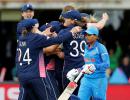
(92, 60)
(89, 59)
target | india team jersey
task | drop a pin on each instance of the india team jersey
(98, 56)
(73, 50)
(28, 49)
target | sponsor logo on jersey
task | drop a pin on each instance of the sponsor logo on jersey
(89, 59)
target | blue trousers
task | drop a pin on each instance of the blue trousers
(36, 89)
(53, 82)
(95, 87)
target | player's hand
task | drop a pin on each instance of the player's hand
(54, 34)
(89, 68)
(72, 74)
(105, 16)
(76, 29)
(47, 32)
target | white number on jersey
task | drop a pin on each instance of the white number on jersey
(26, 56)
(80, 45)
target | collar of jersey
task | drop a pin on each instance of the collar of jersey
(95, 44)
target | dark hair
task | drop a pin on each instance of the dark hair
(25, 31)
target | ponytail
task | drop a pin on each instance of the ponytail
(24, 32)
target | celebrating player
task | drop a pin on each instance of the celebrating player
(27, 12)
(51, 58)
(29, 46)
(73, 47)
(89, 20)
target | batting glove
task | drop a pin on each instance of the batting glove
(72, 74)
(88, 68)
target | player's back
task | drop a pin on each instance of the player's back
(73, 50)
(28, 49)
(27, 57)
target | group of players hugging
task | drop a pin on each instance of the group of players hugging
(72, 40)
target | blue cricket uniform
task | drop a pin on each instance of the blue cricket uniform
(95, 84)
(73, 49)
(38, 42)
(27, 62)
(23, 93)
(19, 29)
(51, 60)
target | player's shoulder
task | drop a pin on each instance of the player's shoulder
(32, 36)
(19, 25)
(101, 47)
(36, 36)
(100, 44)
(55, 22)
(62, 31)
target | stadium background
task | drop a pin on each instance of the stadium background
(116, 33)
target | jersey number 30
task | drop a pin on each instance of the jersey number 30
(26, 56)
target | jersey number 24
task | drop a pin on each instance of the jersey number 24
(25, 57)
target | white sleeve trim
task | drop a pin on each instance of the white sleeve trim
(104, 53)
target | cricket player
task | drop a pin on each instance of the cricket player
(29, 46)
(94, 82)
(73, 47)
(27, 12)
(50, 57)
(89, 20)
(57, 26)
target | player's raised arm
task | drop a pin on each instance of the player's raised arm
(100, 24)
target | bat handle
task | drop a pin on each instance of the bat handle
(78, 77)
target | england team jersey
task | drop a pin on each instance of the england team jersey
(18, 31)
(73, 50)
(28, 49)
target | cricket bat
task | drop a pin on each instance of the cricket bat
(70, 88)
(2, 74)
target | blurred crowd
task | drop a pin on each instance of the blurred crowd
(119, 71)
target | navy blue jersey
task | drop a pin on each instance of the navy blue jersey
(18, 31)
(73, 50)
(28, 49)
(55, 26)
